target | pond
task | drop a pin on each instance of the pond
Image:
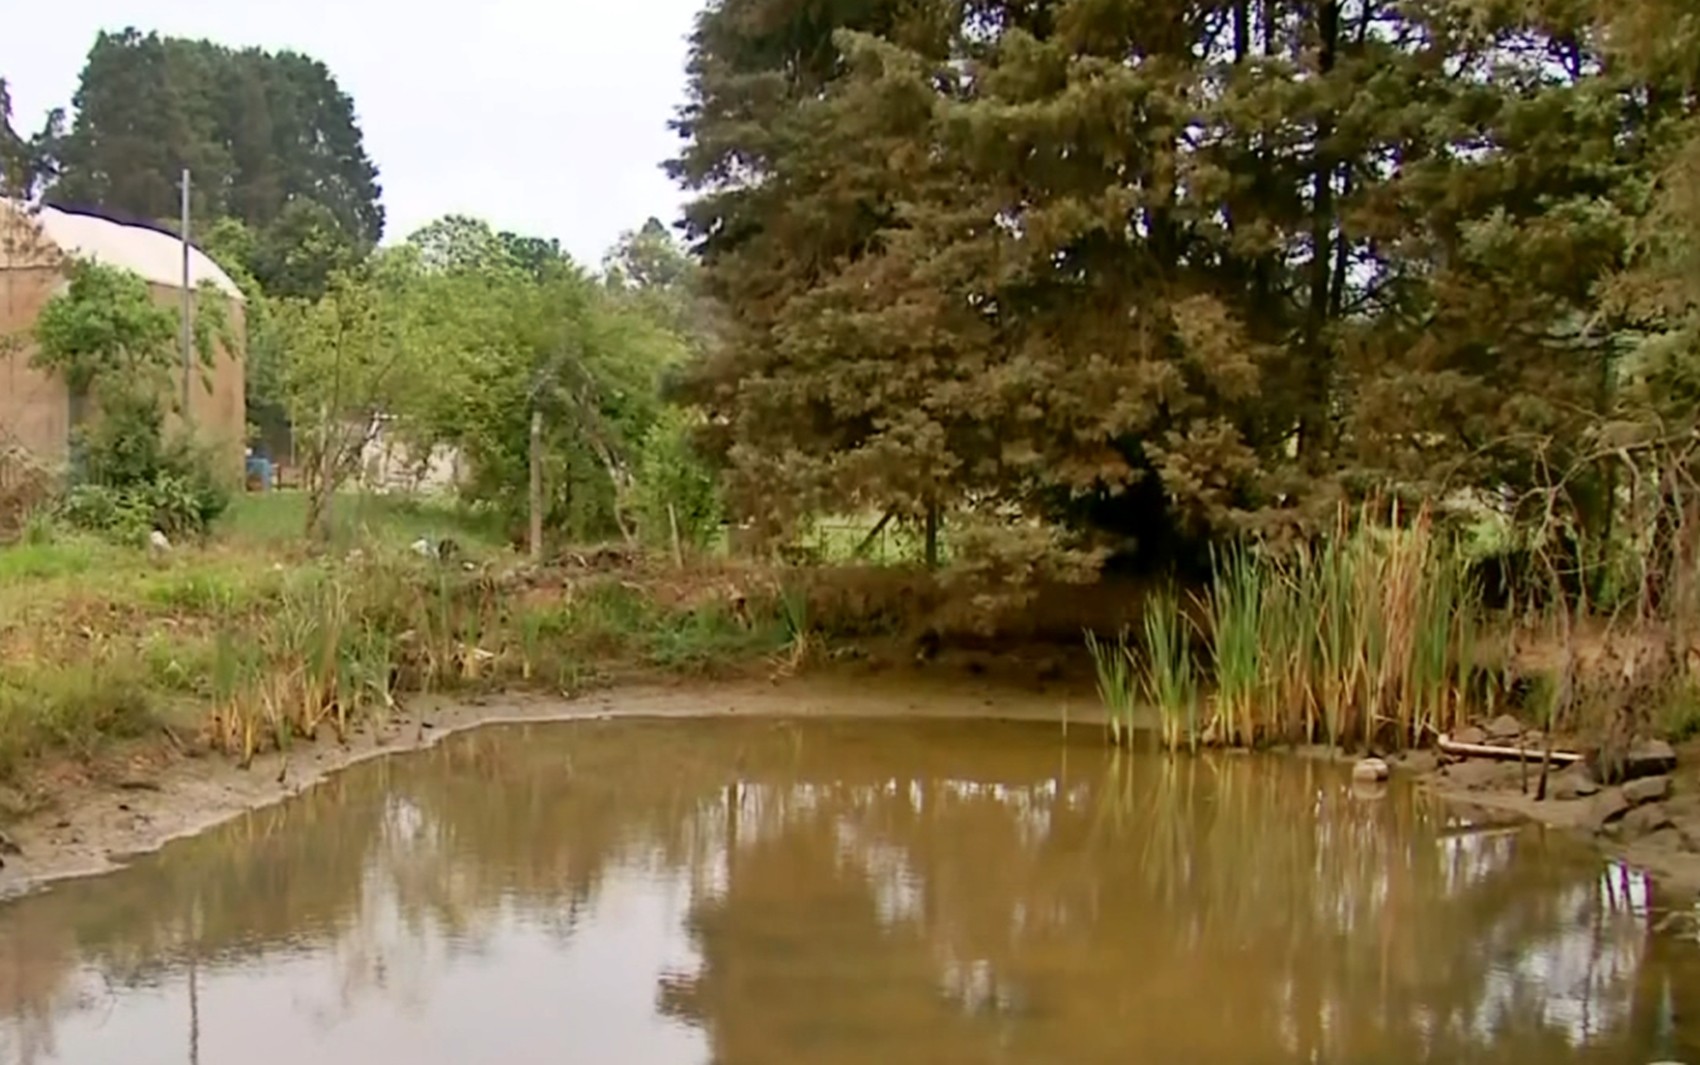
(750, 892)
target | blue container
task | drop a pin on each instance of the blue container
(260, 474)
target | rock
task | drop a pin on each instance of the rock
(1606, 808)
(1644, 821)
(1665, 839)
(157, 543)
(1504, 727)
(1647, 789)
(1370, 771)
(1648, 758)
(1420, 762)
(9, 845)
(1479, 774)
(1573, 782)
(1472, 734)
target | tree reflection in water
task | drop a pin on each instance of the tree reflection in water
(879, 891)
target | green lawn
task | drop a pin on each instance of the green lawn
(279, 518)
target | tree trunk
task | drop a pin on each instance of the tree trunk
(933, 536)
(535, 534)
(1319, 369)
(319, 495)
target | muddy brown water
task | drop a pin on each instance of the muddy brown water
(752, 892)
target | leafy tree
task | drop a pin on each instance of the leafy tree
(348, 363)
(1157, 271)
(656, 275)
(115, 349)
(301, 250)
(104, 329)
(260, 131)
(516, 335)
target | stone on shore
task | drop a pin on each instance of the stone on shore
(1647, 789)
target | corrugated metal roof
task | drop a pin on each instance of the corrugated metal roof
(155, 255)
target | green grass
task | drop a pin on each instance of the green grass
(259, 643)
(280, 518)
(69, 556)
(74, 708)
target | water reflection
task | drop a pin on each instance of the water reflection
(751, 892)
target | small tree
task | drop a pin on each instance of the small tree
(343, 370)
(115, 349)
(105, 330)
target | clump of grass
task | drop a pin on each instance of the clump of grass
(1170, 677)
(1234, 605)
(72, 709)
(1368, 636)
(1113, 663)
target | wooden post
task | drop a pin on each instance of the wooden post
(535, 535)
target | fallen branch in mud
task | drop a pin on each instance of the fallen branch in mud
(1524, 754)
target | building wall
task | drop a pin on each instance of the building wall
(34, 410)
(34, 407)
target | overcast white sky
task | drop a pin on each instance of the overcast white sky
(548, 117)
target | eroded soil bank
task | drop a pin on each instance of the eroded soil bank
(95, 823)
(98, 822)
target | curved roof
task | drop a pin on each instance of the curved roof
(155, 255)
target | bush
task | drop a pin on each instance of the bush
(671, 472)
(131, 480)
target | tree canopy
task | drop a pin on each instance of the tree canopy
(1159, 269)
(261, 131)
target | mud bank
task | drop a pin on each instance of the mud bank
(94, 827)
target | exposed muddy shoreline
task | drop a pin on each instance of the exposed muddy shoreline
(95, 827)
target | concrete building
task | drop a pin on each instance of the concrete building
(35, 246)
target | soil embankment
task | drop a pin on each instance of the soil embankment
(96, 822)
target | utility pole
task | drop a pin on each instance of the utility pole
(188, 337)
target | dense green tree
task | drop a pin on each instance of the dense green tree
(652, 271)
(515, 330)
(260, 131)
(1156, 269)
(301, 250)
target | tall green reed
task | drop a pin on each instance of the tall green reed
(1113, 663)
(1367, 635)
(1170, 679)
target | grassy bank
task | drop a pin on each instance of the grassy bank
(249, 642)
(1377, 636)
